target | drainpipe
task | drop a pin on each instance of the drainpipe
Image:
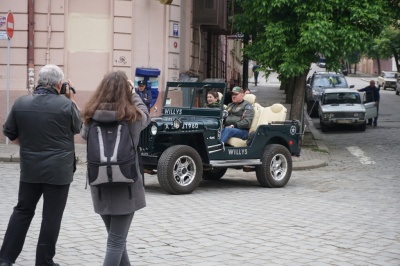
(31, 45)
(48, 32)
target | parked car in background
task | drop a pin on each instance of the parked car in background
(317, 84)
(398, 86)
(345, 107)
(387, 79)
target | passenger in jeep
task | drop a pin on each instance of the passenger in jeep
(212, 100)
(240, 116)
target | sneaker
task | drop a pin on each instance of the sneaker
(369, 124)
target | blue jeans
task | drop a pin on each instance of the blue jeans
(117, 227)
(230, 132)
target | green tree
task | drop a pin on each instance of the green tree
(289, 35)
(386, 45)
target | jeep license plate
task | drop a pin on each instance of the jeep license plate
(343, 121)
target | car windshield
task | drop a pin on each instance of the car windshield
(390, 75)
(332, 81)
(342, 98)
(192, 97)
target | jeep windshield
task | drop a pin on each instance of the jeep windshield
(190, 98)
(193, 95)
(330, 81)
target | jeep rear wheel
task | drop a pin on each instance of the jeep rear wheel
(276, 167)
(179, 170)
(214, 173)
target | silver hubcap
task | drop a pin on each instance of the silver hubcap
(278, 167)
(184, 170)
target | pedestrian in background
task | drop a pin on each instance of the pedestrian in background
(43, 124)
(144, 93)
(372, 95)
(255, 73)
(114, 101)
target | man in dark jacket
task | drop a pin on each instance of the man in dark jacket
(240, 116)
(43, 124)
(372, 95)
(144, 93)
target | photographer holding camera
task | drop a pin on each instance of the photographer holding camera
(43, 124)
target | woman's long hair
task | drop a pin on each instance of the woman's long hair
(113, 93)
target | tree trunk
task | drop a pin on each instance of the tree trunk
(290, 90)
(297, 108)
(378, 61)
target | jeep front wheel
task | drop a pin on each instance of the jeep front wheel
(179, 169)
(214, 173)
(276, 166)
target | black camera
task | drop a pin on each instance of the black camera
(64, 88)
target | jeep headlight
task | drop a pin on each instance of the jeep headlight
(153, 130)
(177, 123)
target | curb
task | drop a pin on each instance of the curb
(310, 164)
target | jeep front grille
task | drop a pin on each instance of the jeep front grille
(144, 141)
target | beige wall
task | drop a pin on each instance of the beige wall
(89, 38)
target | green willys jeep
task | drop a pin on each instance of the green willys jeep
(182, 144)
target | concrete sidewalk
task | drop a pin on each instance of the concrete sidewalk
(314, 153)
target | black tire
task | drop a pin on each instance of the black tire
(179, 170)
(363, 126)
(276, 166)
(384, 87)
(324, 128)
(214, 174)
(397, 92)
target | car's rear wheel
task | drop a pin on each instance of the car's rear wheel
(180, 169)
(276, 166)
(214, 173)
(397, 92)
(384, 87)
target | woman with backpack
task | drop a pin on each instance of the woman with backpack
(114, 101)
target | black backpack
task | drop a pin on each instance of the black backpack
(110, 154)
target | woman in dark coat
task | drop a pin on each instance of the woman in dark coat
(114, 100)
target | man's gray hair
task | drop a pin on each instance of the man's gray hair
(50, 76)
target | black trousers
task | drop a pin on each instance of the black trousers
(54, 201)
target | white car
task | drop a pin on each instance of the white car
(345, 107)
(387, 79)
